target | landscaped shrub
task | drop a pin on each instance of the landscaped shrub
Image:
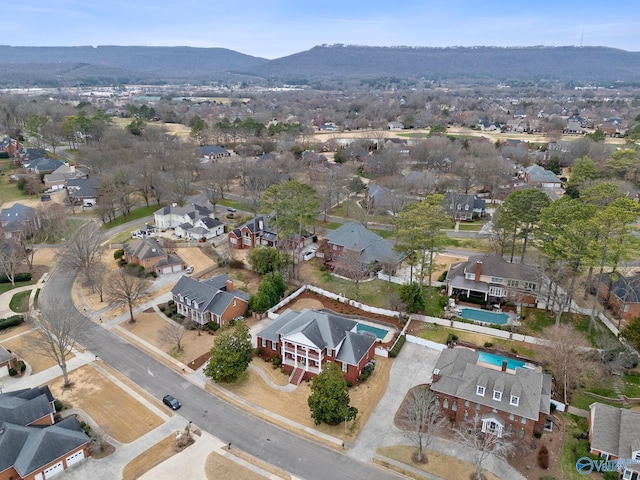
(22, 366)
(236, 263)
(171, 302)
(543, 458)
(118, 254)
(161, 308)
(349, 384)
(488, 344)
(451, 338)
(122, 262)
(213, 326)
(11, 321)
(367, 371)
(277, 361)
(58, 405)
(398, 346)
(12, 372)
(18, 277)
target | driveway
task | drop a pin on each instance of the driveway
(413, 366)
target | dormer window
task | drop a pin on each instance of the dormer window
(480, 390)
(515, 401)
(497, 395)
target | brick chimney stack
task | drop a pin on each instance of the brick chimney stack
(504, 365)
(229, 285)
(478, 270)
(436, 375)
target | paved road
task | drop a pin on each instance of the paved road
(300, 457)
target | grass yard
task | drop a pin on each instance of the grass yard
(218, 467)
(148, 459)
(5, 287)
(22, 346)
(121, 416)
(439, 464)
(580, 399)
(573, 448)
(20, 302)
(631, 386)
(137, 214)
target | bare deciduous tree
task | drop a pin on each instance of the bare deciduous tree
(9, 260)
(83, 250)
(125, 288)
(57, 332)
(483, 444)
(423, 419)
(97, 278)
(172, 334)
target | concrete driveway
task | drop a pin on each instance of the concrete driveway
(413, 366)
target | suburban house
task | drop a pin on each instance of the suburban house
(513, 402)
(83, 191)
(184, 219)
(353, 246)
(18, 220)
(7, 359)
(253, 233)
(492, 279)
(26, 154)
(57, 180)
(621, 294)
(10, 145)
(42, 165)
(537, 176)
(148, 253)
(306, 340)
(213, 152)
(212, 300)
(32, 446)
(378, 197)
(460, 206)
(614, 433)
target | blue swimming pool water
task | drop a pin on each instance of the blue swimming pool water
(484, 316)
(378, 332)
(497, 360)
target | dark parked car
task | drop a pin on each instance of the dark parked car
(171, 402)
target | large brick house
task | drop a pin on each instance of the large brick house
(148, 253)
(492, 279)
(212, 300)
(308, 339)
(19, 220)
(32, 446)
(253, 233)
(620, 293)
(514, 402)
(614, 433)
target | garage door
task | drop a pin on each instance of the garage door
(177, 268)
(75, 458)
(53, 470)
(166, 270)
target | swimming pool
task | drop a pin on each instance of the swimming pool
(380, 333)
(493, 359)
(484, 316)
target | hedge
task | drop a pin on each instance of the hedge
(12, 321)
(18, 277)
(398, 346)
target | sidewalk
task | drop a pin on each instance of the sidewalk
(5, 298)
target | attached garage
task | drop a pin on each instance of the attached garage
(166, 270)
(53, 470)
(75, 458)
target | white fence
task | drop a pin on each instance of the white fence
(560, 407)
(271, 313)
(426, 343)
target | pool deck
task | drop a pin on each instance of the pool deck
(390, 330)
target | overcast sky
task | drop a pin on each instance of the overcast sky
(276, 28)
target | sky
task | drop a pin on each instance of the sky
(277, 28)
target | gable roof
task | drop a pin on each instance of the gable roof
(23, 407)
(626, 289)
(493, 265)
(17, 213)
(144, 248)
(614, 430)
(459, 376)
(193, 211)
(213, 150)
(472, 201)
(29, 449)
(321, 330)
(355, 237)
(210, 295)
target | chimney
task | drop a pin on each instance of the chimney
(504, 365)
(229, 285)
(436, 375)
(478, 270)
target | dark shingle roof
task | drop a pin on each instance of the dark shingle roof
(615, 431)
(23, 407)
(210, 295)
(355, 237)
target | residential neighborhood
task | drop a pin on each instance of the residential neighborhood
(396, 271)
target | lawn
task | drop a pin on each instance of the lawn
(20, 302)
(573, 447)
(472, 226)
(136, 214)
(579, 399)
(631, 386)
(227, 202)
(376, 292)
(9, 191)
(5, 287)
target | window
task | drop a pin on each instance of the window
(466, 403)
(264, 342)
(530, 286)
(497, 395)
(496, 280)
(512, 417)
(480, 390)
(465, 416)
(513, 283)
(469, 276)
(335, 247)
(494, 410)
(454, 406)
(445, 404)
(496, 291)
(477, 406)
(466, 207)
(523, 421)
(627, 474)
(514, 400)
(345, 367)
(636, 456)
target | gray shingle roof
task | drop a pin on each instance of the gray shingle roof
(17, 213)
(143, 248)
(322, 330)
(615, 431)
(210, 295)
(493, 265)
(355, 237)
(23, 407)
(460, 375)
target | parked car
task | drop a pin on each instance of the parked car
(171, 402)
(45, 198)
(308, 255)
(189, 270)
(231, 209)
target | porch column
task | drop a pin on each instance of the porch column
(295, 354)
(306, 366)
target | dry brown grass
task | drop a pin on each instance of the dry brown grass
(21, 346)
(217, 467)
(439, 464)
(150, 458)
(293, 405)
(267, 467)
(274, 373)
(118, 413)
